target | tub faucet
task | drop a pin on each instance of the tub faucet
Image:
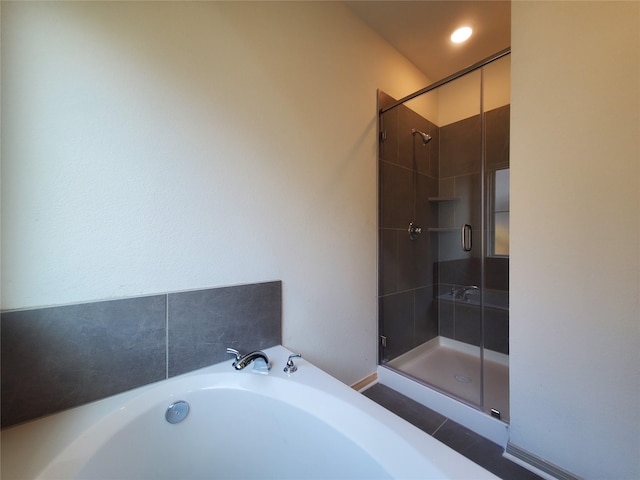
(258, 358)
(463, 292)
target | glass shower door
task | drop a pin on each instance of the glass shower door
(496, 115)
(431, 238)
(443, 236)
(458, 258)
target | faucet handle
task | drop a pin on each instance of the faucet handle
(235, 352)
(291, 367)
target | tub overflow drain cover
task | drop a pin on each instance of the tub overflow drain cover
(177, 412)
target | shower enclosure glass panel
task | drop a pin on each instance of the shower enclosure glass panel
(496, 113)
(458, 260)
(443, 279)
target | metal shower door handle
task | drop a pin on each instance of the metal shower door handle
(466, 234)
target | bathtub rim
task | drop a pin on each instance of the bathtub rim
(43, 453)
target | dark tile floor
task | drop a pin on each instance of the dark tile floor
(470, 444)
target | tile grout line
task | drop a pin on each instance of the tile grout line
(166, 336)
(500, 466)
(439, 427)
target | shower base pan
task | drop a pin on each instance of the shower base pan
(445, 365)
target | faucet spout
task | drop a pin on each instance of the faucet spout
(258, 358)
(464, 292)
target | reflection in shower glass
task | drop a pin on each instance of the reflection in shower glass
(501, 213)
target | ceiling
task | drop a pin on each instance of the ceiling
(420, 30)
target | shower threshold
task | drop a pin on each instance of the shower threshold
(444, 375)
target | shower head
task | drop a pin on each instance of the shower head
(426, 138)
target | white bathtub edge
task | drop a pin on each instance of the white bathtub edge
(31, 453)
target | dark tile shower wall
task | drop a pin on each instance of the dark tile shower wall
(497, 137)
(408, 176)
(409, 280)
(460, 147)
(460, 177)
(61, 357)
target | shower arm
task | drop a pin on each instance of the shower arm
(426, 138)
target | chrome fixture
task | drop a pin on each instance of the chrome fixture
(413, 231)
(177, 412)
(259, 359)
(426, 138)
(467, 237)
(463, 292)
(291, 367)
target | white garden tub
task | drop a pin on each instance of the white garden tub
(240, 425)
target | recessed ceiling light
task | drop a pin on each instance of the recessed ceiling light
(461, 34)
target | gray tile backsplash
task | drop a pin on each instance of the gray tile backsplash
(204, 323)
(56, 358)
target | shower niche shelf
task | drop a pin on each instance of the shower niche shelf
(442, 200)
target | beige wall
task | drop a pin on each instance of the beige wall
(155, 147)
(460, 99)
(151, 147)
(575, 235)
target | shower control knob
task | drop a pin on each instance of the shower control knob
(413, 231)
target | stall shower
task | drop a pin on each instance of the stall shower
(443, 235)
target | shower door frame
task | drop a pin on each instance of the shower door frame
(483, 214)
